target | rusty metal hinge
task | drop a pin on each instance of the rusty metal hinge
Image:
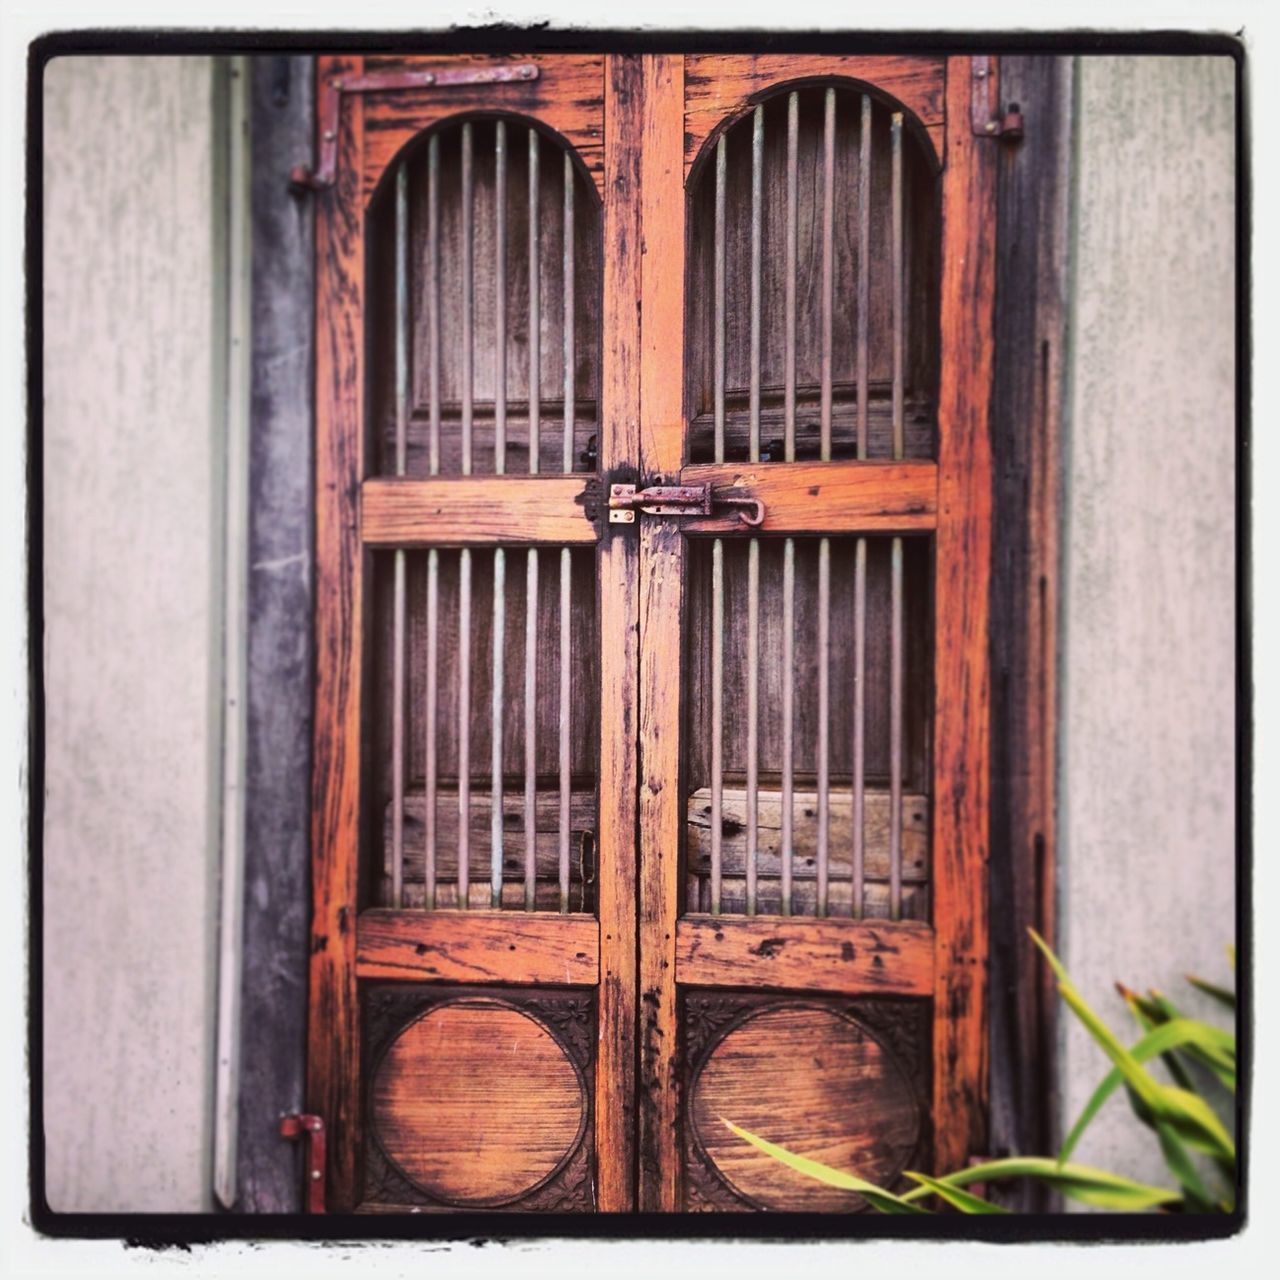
(679, 500)
(311, 1129)
(303, 178)
(988, 118)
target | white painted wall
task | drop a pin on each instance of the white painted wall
(1148, 745)
(132, 442)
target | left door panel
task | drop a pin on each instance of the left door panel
(472, 915)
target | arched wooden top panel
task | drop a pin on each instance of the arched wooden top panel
(720, 87)
(567, 98)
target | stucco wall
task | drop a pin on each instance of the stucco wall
(1148, 749)
(131, 447)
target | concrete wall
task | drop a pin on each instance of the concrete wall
(132, 442)
(1148, 750)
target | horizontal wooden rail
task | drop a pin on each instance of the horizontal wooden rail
(847, 956)
(479, 946)
(823, 497)
(474, 511)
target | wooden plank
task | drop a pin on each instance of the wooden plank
(567, 96)
(721, 86)
(333, 1047)
(479, 946)
(851, 957)
(822, 497)
(479, 511)
(961, 663)
(619, 564)
(661, 592)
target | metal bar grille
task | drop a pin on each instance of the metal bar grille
(398, 608)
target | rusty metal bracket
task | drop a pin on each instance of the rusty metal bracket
(987, 117)
(679, 500)
(303, 178)
(311, 1129)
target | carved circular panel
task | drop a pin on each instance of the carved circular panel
(477, 1103)
(816, 1082)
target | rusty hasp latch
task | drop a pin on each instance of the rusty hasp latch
(304, 178)
(679, 500)
(310, 1128)
(988, 118)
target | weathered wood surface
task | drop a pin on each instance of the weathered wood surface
(804, 897)
(847, 956)
(567, 97)
(479, 946)
(480, 511)
(822, 497)
(333, 1047)
(962, 667)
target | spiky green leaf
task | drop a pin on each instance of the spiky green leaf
(957, 1197)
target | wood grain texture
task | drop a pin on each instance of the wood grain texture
(567, 97)
(478, 946)
(846, 956)
(661, 599)
(962, 665)
(721, 86)
(333, 1051)
(479, 511)
(618, 562)
(822, 497)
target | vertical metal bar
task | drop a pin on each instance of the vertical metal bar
(717, 717)
(530, 728)
(859, 784)
(753, 546)
(788, 715)
(430, 711)
(535, 309)
(793, 139)
(719, 300)
(864, 269)
(495, 712)
(828, 263)
(433, 295)
(464, 727)
(896, 639)
(398, 589)
(824, 720)
(500, 298)
(570, 355)
(468, 298)
(565, 669)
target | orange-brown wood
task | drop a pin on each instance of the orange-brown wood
(333, 1049)
(661, 597)
(478, 946)
(961, 670)
(567, 96)
(822, 497)
(479, 511)
(847, 956)
(620, 656)
(720, 86)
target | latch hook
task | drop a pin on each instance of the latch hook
(311, 1129)
(679, 500)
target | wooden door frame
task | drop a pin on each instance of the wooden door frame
(1034, 182)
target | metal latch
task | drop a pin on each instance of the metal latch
(311, 1129)
(679, 500)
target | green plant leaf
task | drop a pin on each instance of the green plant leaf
(960, 1199)
(1220, 994)
(883, 1200)
(1148, 1017)
(1181, 1166)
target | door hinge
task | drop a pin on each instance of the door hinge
(311, 1129)
(988, 118)
(679, 500)
(303, 178)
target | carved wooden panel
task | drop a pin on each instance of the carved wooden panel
(843, 1082)
(478, 1099)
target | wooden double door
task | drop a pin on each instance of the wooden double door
(653, 526)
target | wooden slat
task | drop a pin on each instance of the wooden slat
(961, 664)
(566, 97)
(661, 593)
(333, 1048)
(478, 946)
(720, 86)
(823, 497)
(852, 957)
(479, 511)
(619, 563)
